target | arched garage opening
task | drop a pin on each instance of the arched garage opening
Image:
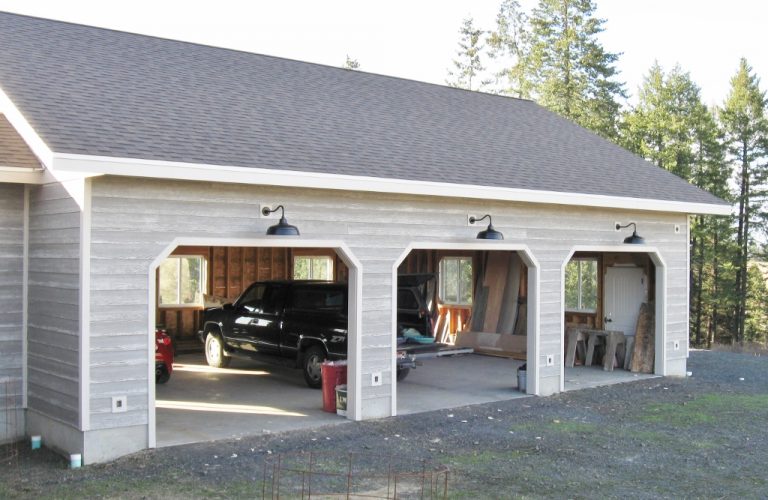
(614, 315)
(185, 413)
(480, 297)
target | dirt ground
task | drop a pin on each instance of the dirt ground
(703, 436)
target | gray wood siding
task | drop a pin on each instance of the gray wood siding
(11, 309)
(54, 288)
(133, 220)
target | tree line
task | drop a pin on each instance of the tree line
(553, 55)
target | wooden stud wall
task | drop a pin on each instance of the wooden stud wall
(230, 271)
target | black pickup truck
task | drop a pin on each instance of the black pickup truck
(302, 321)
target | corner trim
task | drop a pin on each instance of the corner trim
(85, 308)
(25, 303)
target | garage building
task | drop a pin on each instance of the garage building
(120, 151)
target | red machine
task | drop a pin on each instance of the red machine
(163, 356)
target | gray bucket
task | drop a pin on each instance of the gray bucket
(522, 378)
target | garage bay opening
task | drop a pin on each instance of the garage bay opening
(250, 328)
(462, 316)
(609, 309)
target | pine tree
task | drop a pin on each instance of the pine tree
(468, 65)
(570, 72)
(671, 127)
(351, 63)
(510, 44)
(743, 118)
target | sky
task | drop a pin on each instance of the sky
(417, 39)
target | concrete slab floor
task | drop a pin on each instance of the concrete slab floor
(200, 403)
(586, 377)
(455, 381)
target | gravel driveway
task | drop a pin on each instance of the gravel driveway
(703, 437)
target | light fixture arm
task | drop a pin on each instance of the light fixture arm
(266, 211)
(634, 226)
(473, 219)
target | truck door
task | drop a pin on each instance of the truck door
(256, 323)
(316, 312)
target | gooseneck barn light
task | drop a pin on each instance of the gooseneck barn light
(282, 228)
(490, 233)
(635, 239)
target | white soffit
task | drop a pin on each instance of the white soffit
(242, 175)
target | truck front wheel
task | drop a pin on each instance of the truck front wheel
(402, 373)
(310, 364)
(214, 352)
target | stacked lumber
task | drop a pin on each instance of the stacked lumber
(643, 352)
(498, 324)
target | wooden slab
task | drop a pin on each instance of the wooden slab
(495, 279)
(478, 309)
(643, 351)
(509, 304)
(521, 324)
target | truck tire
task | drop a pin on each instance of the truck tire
(311, 360)
(402, 373)
(214, 352)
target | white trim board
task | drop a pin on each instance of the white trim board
(85, 308)
(273, 177)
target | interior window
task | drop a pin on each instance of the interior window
(182, 281)
(581, 285)
(456, 280)
(307, 267)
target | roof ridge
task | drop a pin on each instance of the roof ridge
(259, 54)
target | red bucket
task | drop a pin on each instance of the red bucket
(333, 373)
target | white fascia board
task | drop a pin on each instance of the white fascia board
(25, 130)
(262, 176)
(20, 175)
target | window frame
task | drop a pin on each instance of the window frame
(459, 289)
(331, 265)
(203, 288)
(580, 296)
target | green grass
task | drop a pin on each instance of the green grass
(707, 409)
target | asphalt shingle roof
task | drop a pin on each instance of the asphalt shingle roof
(14, 152)
(94, 91)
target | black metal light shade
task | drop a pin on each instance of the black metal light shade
(282, 228)
(635, 239)
(490, 233)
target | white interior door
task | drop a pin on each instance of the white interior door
(625, 289)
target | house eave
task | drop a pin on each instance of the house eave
(94, 165)
(21, 175)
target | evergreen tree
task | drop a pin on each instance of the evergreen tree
(671, 127)
(510, 43)
(569, 70)
(351, 63)
(468, 65)
(743, 118)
